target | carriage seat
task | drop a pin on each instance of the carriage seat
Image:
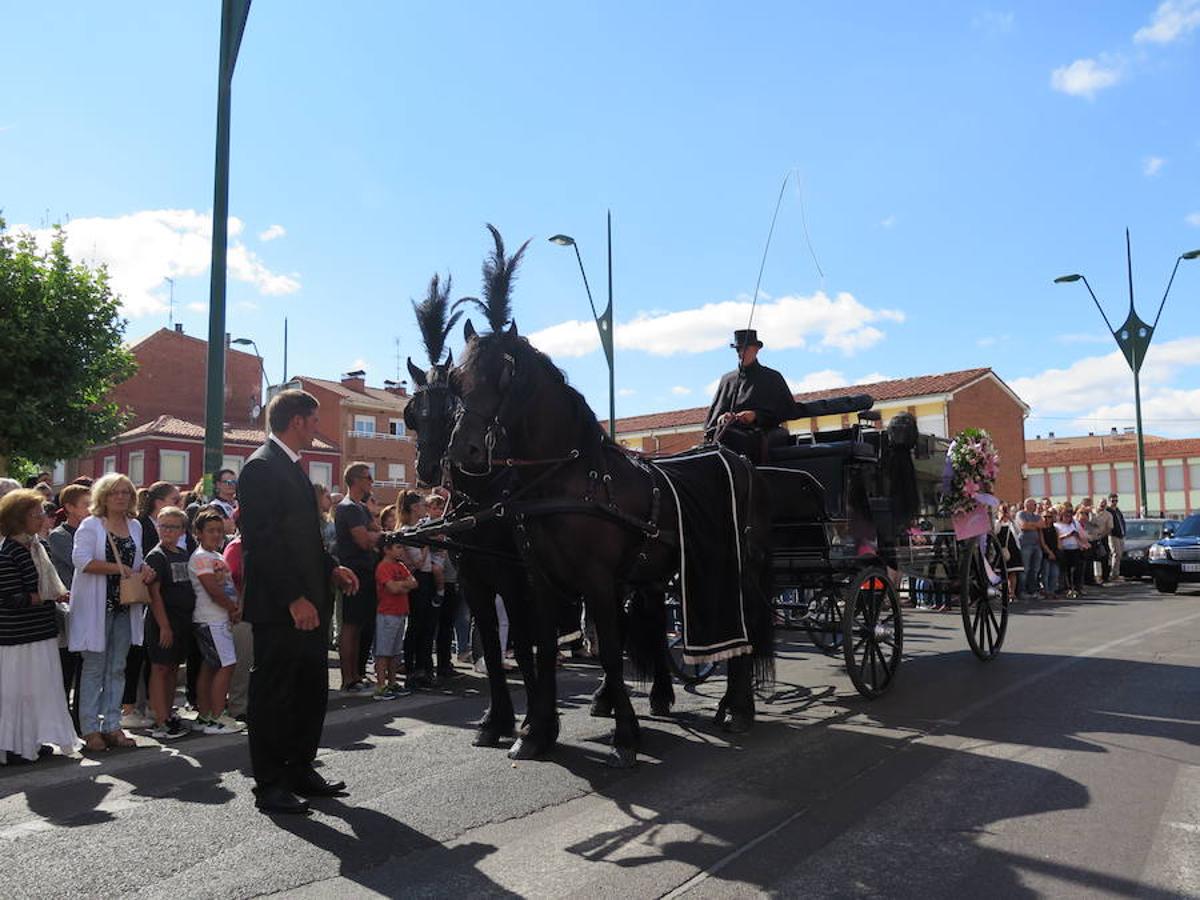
(848, 449)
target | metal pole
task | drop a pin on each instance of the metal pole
(1136, 365)
(608, 347)
(233, 24)
(285, 343)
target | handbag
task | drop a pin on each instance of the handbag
(133, 591)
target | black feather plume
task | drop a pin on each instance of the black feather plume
(499, 273)
(431, 318)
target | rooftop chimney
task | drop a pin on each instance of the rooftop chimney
(1050, 435)
(179, 328)
(1091, 434)
(356, 380)
(399, 388)
(1130, 429)
(1114, 431)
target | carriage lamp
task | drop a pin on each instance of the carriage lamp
(1133, 338)
(604, 321)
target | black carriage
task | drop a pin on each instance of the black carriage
(858, 534)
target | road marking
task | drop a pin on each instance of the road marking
(974, 708)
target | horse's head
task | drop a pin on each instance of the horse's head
(486, 386)
(430, 414)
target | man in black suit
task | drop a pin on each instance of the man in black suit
(288, 600)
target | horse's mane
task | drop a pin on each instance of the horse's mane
(524, 351)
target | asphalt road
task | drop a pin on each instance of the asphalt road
(1069, 766)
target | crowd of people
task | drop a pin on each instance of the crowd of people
(121, 609)
(1057, 550)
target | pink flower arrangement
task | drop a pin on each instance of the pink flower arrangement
(972, 464)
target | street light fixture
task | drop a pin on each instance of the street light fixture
(248, 342)
(1133, 338)
(604, 320)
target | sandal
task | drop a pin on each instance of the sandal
(94, 743)
(119, 739)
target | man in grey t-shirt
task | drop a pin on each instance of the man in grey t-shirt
(1029, 524)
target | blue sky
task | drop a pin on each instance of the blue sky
(953, 159)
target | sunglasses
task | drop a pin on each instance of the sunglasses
(232, 482)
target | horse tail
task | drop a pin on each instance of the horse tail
(645, 631)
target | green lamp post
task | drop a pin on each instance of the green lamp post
(604, 320)
(1133, 338)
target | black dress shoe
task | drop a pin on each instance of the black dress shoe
(309, 784)
(278, 800)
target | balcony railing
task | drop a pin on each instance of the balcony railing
(390, 484)
(378, 435)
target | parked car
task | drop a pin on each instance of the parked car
(1176, 559)
(1139, 535)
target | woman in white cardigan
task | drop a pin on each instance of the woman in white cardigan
(101, 629)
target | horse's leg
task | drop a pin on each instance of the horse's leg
(521, 629)
(735, 713)
(541, 731)
(499, 721)
(662, 691)
(604, 606)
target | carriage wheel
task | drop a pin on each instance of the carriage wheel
(688, 673)
(872, 632)
(824, 622)
(984, 605)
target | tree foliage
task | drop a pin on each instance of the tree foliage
(61, 342)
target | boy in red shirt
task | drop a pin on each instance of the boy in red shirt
(393, 581)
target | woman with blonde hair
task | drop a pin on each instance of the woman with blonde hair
(33, 710)
(107, 549)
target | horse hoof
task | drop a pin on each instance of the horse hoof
(525, 748)
(722, 714)
(601, 709)
(485, 737)
(621, 758)
(660, 707)
(739, 723)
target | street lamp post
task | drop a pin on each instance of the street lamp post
(249, 342)
(1133, 338)
(233, 23)
(604, 320)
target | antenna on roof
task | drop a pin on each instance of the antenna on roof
(171, 303)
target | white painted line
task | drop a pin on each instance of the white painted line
(970, 710)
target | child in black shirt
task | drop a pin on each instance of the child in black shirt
(169, 625)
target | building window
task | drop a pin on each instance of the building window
(110, 464)
(59, 475)
(1037, 484)
(396, 427)
(1102, 481)
(1058, 484)
(364, 424)
(137, 468)
(1125, 481)
(173, 466)
(935, 425)
(233, 463)
(1151, 478)
(396, 472)
(321, 473)
(1173, 475)
(371, 467)
(1194, 475)
(1079, 483)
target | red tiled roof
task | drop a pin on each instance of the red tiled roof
(172, 427)
(379, 395)
(1121, 449)
(882, 391)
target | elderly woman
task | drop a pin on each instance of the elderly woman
(107, 548)
(33, 711)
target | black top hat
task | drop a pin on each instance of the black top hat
(745, 337)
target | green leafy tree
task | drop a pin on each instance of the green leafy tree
(61, 342)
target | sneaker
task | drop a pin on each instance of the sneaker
(169, 730)
(448, 672)
(356, 687)
(382, 693)
(136, 720)
(216, 726)
(398, 690)
(465, 657)
(481, 666)
(199, 723)
(230, 722)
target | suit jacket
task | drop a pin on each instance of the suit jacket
(283, 553)
(753, 387)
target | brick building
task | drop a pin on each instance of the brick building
(1069, 469)
(368, 424)
(944, 404)
(168, 448)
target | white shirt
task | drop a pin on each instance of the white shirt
(209, 562)
(292, 454)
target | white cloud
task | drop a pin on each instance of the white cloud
(275, 231)
(681, 391)
(818, 381)
(1083, 337)
(1152, 165)
(711, 388)
(144, 248)
(992, 340)
(625, 392)
(1096, 388)
(247, 305)
(359, 364)
(1172, 20)
(888, 221)
(1084, 77)
(198, 307)
(817, 322)
(1193, 219)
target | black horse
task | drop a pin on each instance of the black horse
(588, 520)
